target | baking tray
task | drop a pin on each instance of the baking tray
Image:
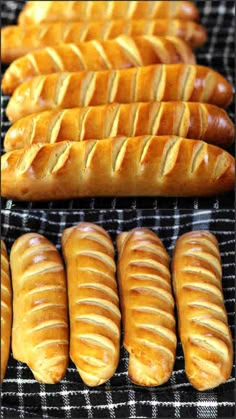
(218, 53)
(23, 397)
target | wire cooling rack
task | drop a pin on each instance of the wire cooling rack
(218, 53)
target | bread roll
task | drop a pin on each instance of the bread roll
(190, 120)
(20, 40)
(122, 52)
(203, 325)
(6, 310)
(138, 166)
(40, 324)
(161, 82)
(93, 302)
(147, 307)
(69, 11)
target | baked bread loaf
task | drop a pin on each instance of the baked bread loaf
(185, 119)
(6, 309)
(147, 307)
(161, 82)
(40, 324)
(122, 52)
(138, 166)
(93, 302)
(55, 11)
(20, 40)
(203, 325)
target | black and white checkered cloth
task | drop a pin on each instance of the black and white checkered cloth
(23, 397)
(218, 53)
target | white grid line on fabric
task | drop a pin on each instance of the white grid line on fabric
(66, 400)
(92, 391)
(43, 398)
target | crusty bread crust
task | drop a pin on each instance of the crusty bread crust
(185, 119)
(54, 11)
(160, 82)
(147, 306)
(6, 309)
(138, 166)
(202, 318)
(122, 52)
(39, 308)
(17, 41)
(93, 302)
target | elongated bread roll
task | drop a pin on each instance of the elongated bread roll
(161, 82)
(6, 309)
(93, 302)
(40, 324)
(122, 52)
(138, 166)
(54, 11)
(20, 40)
(185, 119)
(147, 307)
(203, 324)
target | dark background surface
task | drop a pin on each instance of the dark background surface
(218, 53)
(23, 397)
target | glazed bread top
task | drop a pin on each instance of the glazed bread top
(93, 302)
(54, 11)
(39, 307)
(203, 325)
(147, 306)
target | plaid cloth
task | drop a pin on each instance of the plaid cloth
(218, 52)
(23, 397)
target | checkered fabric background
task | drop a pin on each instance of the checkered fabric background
(23, 397)
(218, 53)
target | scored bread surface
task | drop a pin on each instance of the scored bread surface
(190, 120)
(138, 166)
(202, 318)
(20, 40)
(147, 306)
(39, 307)
(52, 11)
(6, 309)
(93, 302)
(160, 82)
(120, 53)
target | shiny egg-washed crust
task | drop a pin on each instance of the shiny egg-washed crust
(17, 41)
(120, 53)
(93, 302)
(40, 322)
(202, 318)
(138, 166)
(184, 119)
(160, 82)
(55, 11)
(6, 309)
(147, 306)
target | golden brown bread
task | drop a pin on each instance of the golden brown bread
(203, 325)
(138, 166)
(6, 309)
(147, 306)
(161, 82)
(185, 119)
(20, 40)
(120, 53)
(39, 307)
(93, 302)
(54, 11)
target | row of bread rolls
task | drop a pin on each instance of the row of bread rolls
(86, 91)
(40, 318)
